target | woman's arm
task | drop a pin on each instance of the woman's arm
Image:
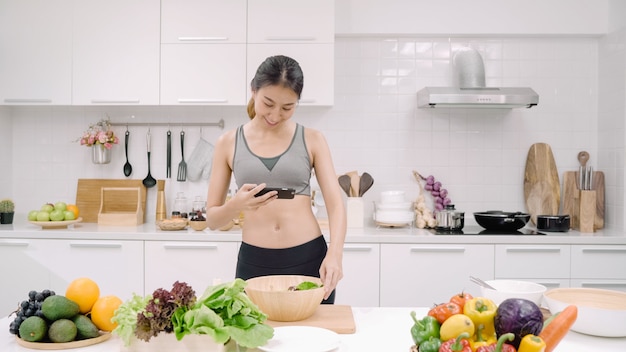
(331, 270)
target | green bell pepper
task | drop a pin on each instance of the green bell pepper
(424, 329)
(430, 345)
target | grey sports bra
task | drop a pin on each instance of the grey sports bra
(291, 169)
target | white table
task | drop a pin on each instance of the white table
(377, 329)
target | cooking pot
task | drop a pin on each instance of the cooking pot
(501, 220)
(449, 219)
(555, 223)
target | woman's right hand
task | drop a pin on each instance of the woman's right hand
(245, 196)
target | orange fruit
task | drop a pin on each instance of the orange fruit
(85, 292)
(103, 310)
(74, 209)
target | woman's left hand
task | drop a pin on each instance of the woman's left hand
(330, 273)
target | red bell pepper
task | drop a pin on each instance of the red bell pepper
(500, 346)
(459, 344)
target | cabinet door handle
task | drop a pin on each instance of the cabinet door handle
(14, 244)
(27, 101)
(95, 245)
(307, 101)
(532, 250)
(357, 248)
(288, 38)
(202, 101)
(438, 249)
(604, 250)
(115, 101)
(202, 39)
(189, 246)
(618, 286)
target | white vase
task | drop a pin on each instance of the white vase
(100, 154)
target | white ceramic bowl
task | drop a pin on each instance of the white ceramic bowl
(600, 312)
(514, 289)
(392, 197)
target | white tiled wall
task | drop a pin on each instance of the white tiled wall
(478, 154)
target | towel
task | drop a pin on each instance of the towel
(200, 161)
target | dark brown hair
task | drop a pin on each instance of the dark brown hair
(277, 70)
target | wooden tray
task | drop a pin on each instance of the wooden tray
(88, 196)
(337, 318)
(63, 345)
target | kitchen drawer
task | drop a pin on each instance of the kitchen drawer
(598, 262)
(532, 261)
(198, 264)
(414, 275)
(605, 284)
(361, 275)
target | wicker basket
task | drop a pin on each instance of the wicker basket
(199, 225)
(172, 224)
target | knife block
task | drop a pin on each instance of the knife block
(585, 211)
(574, 199)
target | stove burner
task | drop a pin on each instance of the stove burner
(482, 231)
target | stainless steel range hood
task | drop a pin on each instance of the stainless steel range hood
(471, 91)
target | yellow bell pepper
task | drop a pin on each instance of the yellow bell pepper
(532, 343)
(479, 339)
(482, 311)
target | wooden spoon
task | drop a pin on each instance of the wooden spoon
(366, 183)
(344, 182)
(354, 183)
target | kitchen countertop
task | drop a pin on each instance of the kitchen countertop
(21, 228)
(377, 329)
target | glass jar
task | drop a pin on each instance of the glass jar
(180, 203)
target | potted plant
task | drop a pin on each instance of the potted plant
(100, 138)
(7, 209)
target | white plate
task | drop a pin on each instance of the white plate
(302, 339)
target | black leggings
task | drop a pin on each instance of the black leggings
(304, 259)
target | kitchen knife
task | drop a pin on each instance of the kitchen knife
(168, 171)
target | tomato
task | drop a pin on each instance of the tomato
(443, 311)
(460, 298)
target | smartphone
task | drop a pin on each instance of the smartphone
(283, 193)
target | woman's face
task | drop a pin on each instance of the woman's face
(274, 104)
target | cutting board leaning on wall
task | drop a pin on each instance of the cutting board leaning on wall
(542, 189)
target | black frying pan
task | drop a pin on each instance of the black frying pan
(501, 220)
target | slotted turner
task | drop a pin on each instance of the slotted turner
(182, 166)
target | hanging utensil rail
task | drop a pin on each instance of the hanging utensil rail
(219, 124)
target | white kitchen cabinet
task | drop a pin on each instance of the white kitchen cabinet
(533, 262)
(361, 275)
(116, 52)
(117, 266)
(36, 54)
(288, 21)
(599, 266)
(419, 275)
(203, 21)
(303, 30)
(196, 263)
(203, 74)
(316, 61)
(38, 264)
(23, 268)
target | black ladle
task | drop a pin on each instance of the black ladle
(128, 169)
(149, 181)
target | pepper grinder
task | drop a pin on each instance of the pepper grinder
(161, 212)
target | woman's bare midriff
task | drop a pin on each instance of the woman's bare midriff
(283, 223)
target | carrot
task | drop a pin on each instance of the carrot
(558, 327)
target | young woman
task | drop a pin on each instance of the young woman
(280, 236)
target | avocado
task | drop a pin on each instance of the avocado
(59, 307)
(62, 330)
(86, 328)
(33, 329)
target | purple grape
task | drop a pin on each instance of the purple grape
(446, 201)
(443, 192)
(428, 187)
(438, 206)
(438, 200)
(435, 193)
(437, 186)
(430, 180)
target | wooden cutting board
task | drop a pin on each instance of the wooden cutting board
(542, 189)
(337, 318)
(88, 196)
(570, 196)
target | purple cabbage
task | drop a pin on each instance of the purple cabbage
(520, 317)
